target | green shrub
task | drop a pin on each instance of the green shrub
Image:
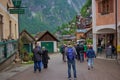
(30, 56)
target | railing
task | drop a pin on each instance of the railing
(7, 49)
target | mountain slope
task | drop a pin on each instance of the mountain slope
(43, 15)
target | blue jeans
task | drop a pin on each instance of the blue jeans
(71, 63)
(37, 65)
(81, 57)
(90, 62)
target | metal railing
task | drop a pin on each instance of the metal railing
(7, 49)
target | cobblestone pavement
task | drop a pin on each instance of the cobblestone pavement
(57, 70)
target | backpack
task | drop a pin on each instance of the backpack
(70, 53)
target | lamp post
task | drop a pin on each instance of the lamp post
(17, 9)
(116, 22)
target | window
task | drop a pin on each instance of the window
(1, 27)
(1, 18)
(10, 30)
(15, 32)
(105, 7)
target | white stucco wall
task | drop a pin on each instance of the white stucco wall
(94, 24)
(55, 47)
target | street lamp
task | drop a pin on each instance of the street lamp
(17, 3)
(17, 9)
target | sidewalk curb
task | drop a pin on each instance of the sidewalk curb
(11, 72)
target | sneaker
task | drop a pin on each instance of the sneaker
(92, 67)
(39, 70)
(69, 78)
(75, 78)
(88, 68)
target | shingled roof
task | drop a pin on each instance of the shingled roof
(28, 38)
(40, 35)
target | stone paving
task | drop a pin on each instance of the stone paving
(57, 70)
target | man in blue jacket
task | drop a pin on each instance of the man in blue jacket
(90, 55)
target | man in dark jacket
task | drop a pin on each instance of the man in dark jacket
(62, 50)
(37, 58)
(81, 52)
(45, 57)
(78, 50)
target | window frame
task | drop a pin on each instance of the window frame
(105, 7)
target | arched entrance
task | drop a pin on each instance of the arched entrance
(103, 38)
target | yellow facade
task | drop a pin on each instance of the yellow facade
(8, 22)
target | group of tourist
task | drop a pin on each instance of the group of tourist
(40, 57)
(79, 52)
(70, 54)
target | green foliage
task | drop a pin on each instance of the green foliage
(89, 41)
(83, 11)
(30, 56)
(44, 15)
(70, 26)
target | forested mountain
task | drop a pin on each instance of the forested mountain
(43, 15)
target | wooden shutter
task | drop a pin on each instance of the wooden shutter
(99, 7)
(111, 6)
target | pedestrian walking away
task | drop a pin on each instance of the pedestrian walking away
(81, 52)
(37, 57)
(62, 50)
(85, 49)
(78, 50)
(71, 55)
(45, 57)
(90, 55)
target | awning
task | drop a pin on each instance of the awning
(105, 31)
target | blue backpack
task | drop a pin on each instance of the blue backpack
(70, 53)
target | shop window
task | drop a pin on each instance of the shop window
(105, 7)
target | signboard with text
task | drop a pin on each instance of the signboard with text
(17, 11)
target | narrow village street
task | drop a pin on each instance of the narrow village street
(32, 29)
(57, 70)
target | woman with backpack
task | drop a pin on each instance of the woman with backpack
(71, 55)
